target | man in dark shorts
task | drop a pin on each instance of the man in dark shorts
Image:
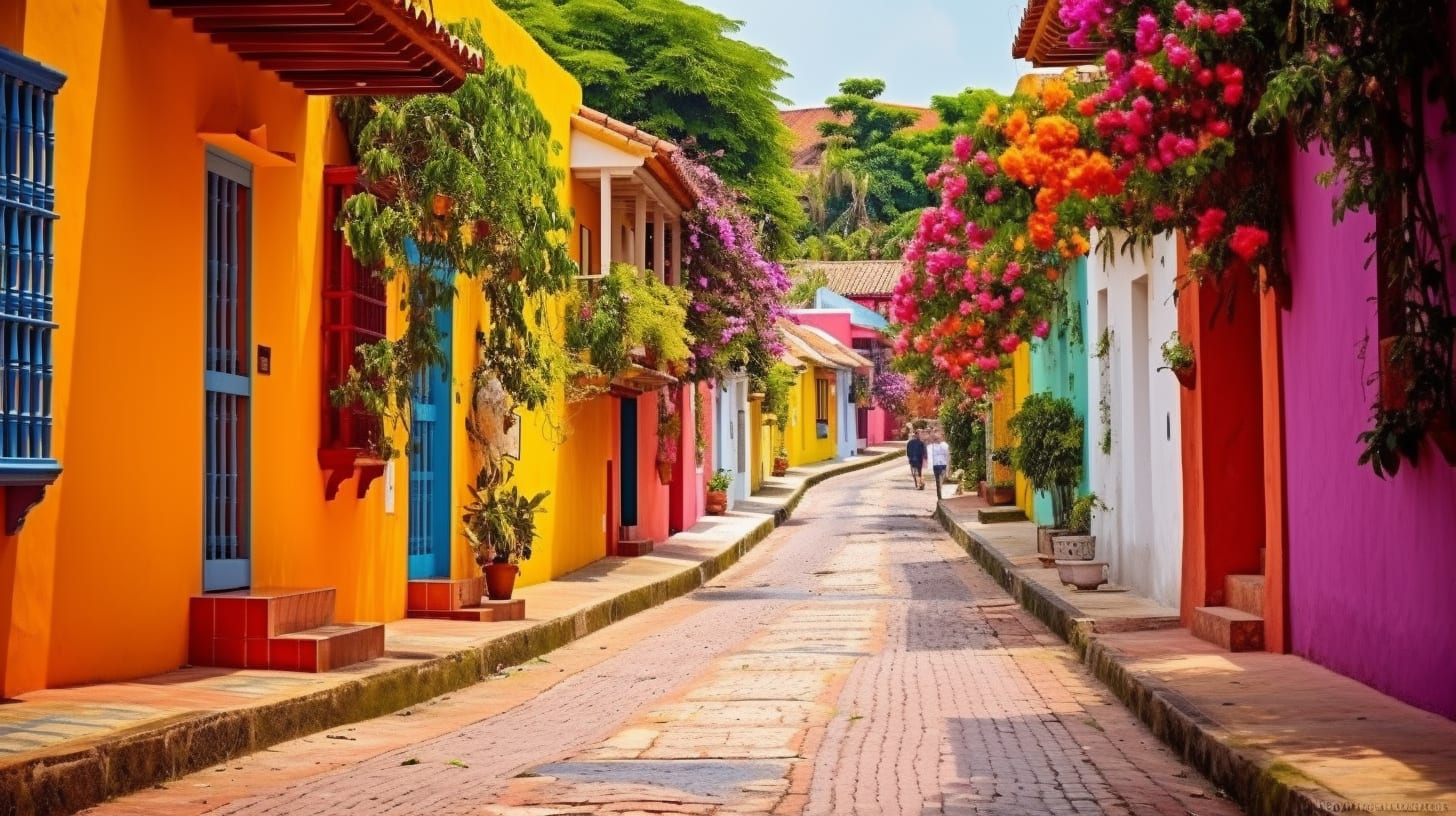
(915, 449)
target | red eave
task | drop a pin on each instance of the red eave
(1042, 39)
(337, 47)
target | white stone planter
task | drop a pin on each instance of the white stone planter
(1082, 574)
(1074, 547)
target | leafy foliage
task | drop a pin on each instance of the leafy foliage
(777, 386)
(1049, 449)
(500, 521)
(673, 69)
(625, 311)
(965, 432)
(458, 185)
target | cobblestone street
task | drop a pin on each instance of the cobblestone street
(856, 662)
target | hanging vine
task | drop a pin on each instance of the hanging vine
(459, 184)
(1358, 83)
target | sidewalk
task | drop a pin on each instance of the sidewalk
(1279, 734)
(62, 750)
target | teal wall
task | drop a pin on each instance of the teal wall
(1059, 365)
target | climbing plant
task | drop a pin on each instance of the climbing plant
(458, 185)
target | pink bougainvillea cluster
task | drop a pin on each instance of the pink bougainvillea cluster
(737, 293)
(1175, 102)
(982, 272)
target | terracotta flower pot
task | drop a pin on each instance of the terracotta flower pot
(500, 581)
(664, 472)
(1074, 547)
(1001, 496)
(441, 205)
(780, 466)
(1187, 375)
(717, 503)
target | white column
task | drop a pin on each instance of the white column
(639, 237)
(604, 238)
(678, 276)
(659, 252)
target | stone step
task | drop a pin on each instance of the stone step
(327, 647)
(999, 515)
(1245, 593)
(445, 594)
(1233, 629)
(634, 547)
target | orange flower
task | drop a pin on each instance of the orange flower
(1055, 94)
(990, 115)
(1052, 274)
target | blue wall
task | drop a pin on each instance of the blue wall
(1059, 366)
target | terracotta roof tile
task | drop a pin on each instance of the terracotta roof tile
(856, 278)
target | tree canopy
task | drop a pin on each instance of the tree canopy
(672, 69)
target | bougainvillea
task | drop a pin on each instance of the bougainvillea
(1183, 81)
(737, 293)
(981, 274)
(891, 389)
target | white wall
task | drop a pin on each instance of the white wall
(1141, 537)
(845, 445)
(734, 451)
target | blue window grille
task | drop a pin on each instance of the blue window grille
(227, 383)
(27, 256)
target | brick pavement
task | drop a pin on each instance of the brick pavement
(857, 663)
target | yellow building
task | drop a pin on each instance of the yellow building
(199, 312)
(815, 410)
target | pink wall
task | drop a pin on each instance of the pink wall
(686, 497)
(1370, 561)
(652, 494)
(881, 425)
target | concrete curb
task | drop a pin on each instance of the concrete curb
(1253, 779)
(75, 776)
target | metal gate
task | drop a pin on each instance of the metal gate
(227, 383)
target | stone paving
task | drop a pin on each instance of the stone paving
(856, 662)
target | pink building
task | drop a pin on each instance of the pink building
(861, 329)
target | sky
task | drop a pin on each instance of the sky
(920, 48)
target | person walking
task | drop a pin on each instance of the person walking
(915, 450)
(939, 453)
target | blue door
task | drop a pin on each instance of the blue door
(429, 468)
(226, 376)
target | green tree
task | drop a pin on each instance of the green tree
(672, 69)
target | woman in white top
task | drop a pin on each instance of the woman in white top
(939, 453)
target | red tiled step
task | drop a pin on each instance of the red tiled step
(634, 547)
(1233, 629)
(327, 647)
(1245, 593)
(444, 594)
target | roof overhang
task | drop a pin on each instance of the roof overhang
(639, 379)
(1041, 39)
(337, 47)
(600, 142)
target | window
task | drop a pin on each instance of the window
(354, 308)
(27, 219)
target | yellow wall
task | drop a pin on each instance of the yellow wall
(804, 445)
(1007, 402)
(567, 457)
(756, 469)
(1021, 374)
(121, 529)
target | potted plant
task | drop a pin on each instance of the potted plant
(1001, 490)
(781, 463)
(1049, 454)
(718, 492)
(859, 391)
(1079, 544)
(500, 524)
(1178, 358)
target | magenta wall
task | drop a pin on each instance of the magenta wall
(1371, 562)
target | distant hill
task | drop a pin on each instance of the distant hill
(808, 146)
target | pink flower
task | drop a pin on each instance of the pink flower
(1010, 342)
(1247, 241)
(1149, 36)
(1210, 225)
(1017, 294)
(962, 148)
(1183, 13)
(1042, 329)
(993, 195)
(1162, 212)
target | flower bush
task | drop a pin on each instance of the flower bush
(1183, 81)
(736, 293)
(669, 426)
(981, 273)
(891, 391)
